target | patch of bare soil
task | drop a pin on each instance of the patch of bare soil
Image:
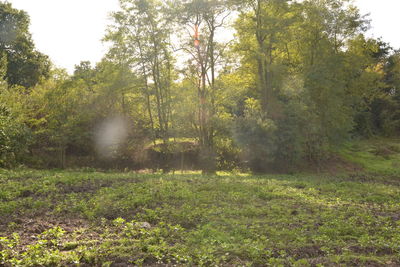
(93, 186)
(335, 164)
(88, 187)
(384, 152)
(29, 228)
(308, 252)
(372, 250)
(382, 179)
(332, 165)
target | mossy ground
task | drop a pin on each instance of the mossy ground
(92, 219)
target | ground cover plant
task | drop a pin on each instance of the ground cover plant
(377, 155)
(90, 218)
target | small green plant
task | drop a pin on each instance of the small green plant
(191, 219)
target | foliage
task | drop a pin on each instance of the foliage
(25, 66)
(192, 219)
(297, 87)
(255, 135)
(298, 80)
(14, 138)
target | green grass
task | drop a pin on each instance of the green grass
(376, 155)
(65, 217)
(173, 140)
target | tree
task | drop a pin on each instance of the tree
(296, 53)
(25, 65)
(388, 108)
(15, 136)
(204, 19)
(263, 26)
(141, 40)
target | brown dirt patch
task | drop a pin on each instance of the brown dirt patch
(29, 228)
(308, 252)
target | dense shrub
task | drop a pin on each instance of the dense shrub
(255, 135)
(14, 138)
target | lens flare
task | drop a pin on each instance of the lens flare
(110, 135)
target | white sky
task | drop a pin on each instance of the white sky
(70, 31)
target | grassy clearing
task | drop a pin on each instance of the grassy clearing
(89, 218)
(60, 218)
(376, 155)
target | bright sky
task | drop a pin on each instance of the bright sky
(70, 31)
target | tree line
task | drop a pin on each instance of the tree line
(255, 85)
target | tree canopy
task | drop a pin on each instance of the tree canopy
(298, 79)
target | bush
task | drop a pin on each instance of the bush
(291, 136)
(14, 138)
(255, 135)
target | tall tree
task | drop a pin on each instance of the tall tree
(25, 66)
(141, 37)
(203, 19)
(262, 28)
